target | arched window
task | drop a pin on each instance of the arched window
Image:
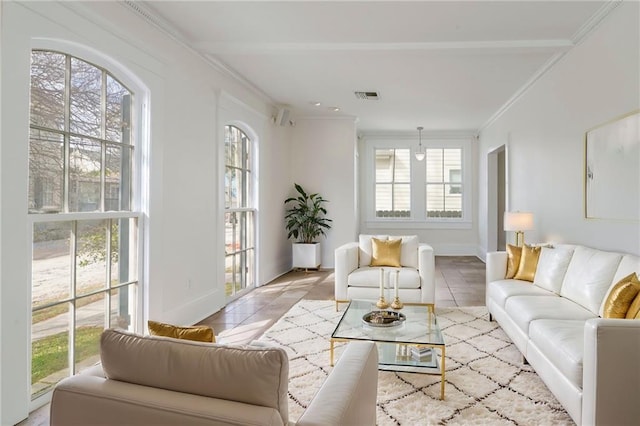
(81, 204)
(239, 213)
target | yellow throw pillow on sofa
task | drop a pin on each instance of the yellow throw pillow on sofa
(513, 260)
(621, 297)
(634, 310)
(528, 263)
(385, 253)
(199, 333)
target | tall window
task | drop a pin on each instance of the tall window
(239, 213)
(85, 232)
(393, 182)
(444, 182)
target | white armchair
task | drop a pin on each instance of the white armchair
(355, 279)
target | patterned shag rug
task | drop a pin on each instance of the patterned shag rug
(486, 382)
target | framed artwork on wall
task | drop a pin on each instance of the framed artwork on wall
(612, 169)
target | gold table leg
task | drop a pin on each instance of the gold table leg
(442, 375)
(331, 352)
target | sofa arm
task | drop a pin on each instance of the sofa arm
(348, 396)
(346, 261)
(426, 269)
(87, 399)
(496, 266)
(611, 372)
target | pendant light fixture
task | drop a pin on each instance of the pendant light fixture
(420, 151)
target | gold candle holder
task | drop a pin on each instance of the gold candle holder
(381, 303)
(396, 304)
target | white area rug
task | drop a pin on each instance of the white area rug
(486, 382)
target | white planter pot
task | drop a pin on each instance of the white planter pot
(306, 255)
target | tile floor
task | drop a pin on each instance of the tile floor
(460, 281)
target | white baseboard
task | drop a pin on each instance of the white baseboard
(194, 310)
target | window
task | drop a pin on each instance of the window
(393, 183)
(84, 232)
(239, 213)
(444, 182)
(403, 192)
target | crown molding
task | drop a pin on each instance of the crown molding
(490, 46)
(352, 118)
(578, 37)
(426, 134)
(169, 30)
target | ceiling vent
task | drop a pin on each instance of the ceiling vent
(371, 96)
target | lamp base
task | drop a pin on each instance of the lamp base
(519, 238)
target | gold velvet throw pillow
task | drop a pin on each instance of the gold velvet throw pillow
(513, 260)
(385, 253)
(621, 297)
(634, 310)
(528, 263)
(199, 333)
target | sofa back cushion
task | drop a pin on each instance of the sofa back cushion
(628, 265)
(589, 276)
(408, 249)
(552, 267)
(365, 248)
(253, 375)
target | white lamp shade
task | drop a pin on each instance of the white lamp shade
(518, 221)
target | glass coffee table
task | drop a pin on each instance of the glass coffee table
(396, 343)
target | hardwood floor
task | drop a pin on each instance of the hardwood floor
(460, 281)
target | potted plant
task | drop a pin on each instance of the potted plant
(305, 222)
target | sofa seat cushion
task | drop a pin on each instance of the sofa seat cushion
(370, 277)
(525, 309)
(562, 342)
(500, 291)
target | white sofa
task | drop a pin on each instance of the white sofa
(150, 380)
(355, 279)
(590, 364)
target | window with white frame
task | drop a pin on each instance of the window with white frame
(84, 234)
(444, 182)
(239, 224)
(402, 190)
(393, 182)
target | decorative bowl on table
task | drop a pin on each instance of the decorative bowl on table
(383, 318)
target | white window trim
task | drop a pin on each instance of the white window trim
(418, 219)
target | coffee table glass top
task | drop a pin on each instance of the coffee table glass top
(419, 328)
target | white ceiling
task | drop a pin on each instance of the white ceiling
(448, 65)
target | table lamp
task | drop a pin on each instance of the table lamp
(518, 222)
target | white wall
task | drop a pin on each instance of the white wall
(544, 134)
(323, 161)
(184, 276)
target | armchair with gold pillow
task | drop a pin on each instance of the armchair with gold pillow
(358, 265)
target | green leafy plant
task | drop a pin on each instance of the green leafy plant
(305, 216)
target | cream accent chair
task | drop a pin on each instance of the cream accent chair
(355, 279)
(151, 380)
